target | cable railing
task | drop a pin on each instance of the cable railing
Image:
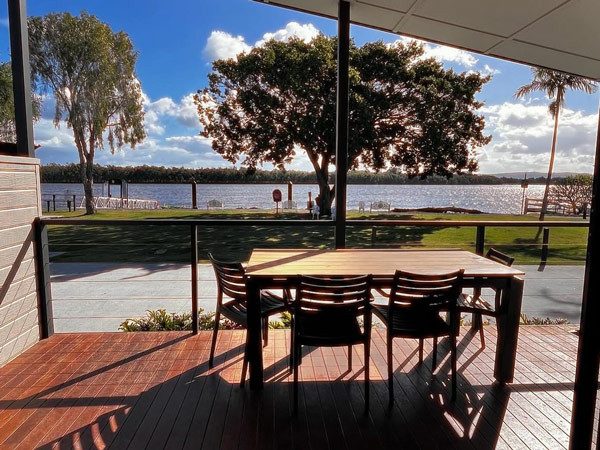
(188, 239)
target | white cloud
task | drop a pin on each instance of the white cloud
(155, 111)
(222, 45)
(442, 53)
(305, 32)
(522, 138)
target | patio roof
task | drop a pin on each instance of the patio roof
(557, 34)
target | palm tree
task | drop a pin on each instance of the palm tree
(555, 85)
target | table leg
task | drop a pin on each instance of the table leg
(508, 331)
(255, 357)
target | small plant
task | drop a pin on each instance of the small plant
(284, 322)
(160, 320)
(539, 321)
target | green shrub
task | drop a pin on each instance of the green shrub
(539, 321)
(160, 320)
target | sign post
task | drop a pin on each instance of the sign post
(276, 199)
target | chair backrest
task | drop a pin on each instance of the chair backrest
(324, 295)
(231, 279)
(417, 291)
(499, 257)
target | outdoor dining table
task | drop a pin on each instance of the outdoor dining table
(272, 269)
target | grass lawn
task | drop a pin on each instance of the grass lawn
(163, 244)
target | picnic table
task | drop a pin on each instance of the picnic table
(272, 269)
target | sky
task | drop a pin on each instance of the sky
(178, 40)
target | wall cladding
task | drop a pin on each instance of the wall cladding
(19, 207)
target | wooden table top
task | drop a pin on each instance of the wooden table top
(282, 263)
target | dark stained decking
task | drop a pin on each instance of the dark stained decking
(155, 390)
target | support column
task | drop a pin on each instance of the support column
(341, 154)
(19, 50)
(588, 352)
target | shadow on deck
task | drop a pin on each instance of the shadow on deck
(155, 390)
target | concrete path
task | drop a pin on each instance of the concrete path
(99, 296)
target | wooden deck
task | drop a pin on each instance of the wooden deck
(155, 390)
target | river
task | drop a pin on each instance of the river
(505, 199)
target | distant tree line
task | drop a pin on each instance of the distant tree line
(70, 173)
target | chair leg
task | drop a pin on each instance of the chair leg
(421, 351)
(213, 344)
(367, 379)
(349, 358)
(482, 337)
(478, 325)
(297, 350)
(265, 325)
(453, 363)
(292, 349)
(390, 359)
(245, 363)
(434, 355)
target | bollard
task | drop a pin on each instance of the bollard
(194, 196)
(290, 187)
(53, 202)
(74, 202)
(545, 245)
(48, 203)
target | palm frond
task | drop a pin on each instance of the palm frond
(554, 84)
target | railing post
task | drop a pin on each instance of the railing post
(342, 122)
(53, 202)
(48, 204)
(545, 240)
(194, 263)
(74, 207)
(480, 241)
(42, 259)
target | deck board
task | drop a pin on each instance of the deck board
(156, 390)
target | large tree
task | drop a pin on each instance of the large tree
(405, 111)
(91, 71)
(555, 85)
(7, 104)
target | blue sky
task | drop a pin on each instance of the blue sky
(177, 41)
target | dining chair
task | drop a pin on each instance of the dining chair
(413, 311)
(476, 304)
(326, 313)
(231, 282)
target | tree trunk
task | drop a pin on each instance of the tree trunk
(549, 179)
(87, 178)
(550, 169)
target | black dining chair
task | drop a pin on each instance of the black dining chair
(231, 282)
(476, 304)
(326, 313)
(413, 311)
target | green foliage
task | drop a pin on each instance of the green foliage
(404, 110)
(7, 104)
(160, 320)
(91, 71)
(574, 190)
(539, 321)
(69, 173)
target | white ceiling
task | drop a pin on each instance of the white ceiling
(557, 34)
